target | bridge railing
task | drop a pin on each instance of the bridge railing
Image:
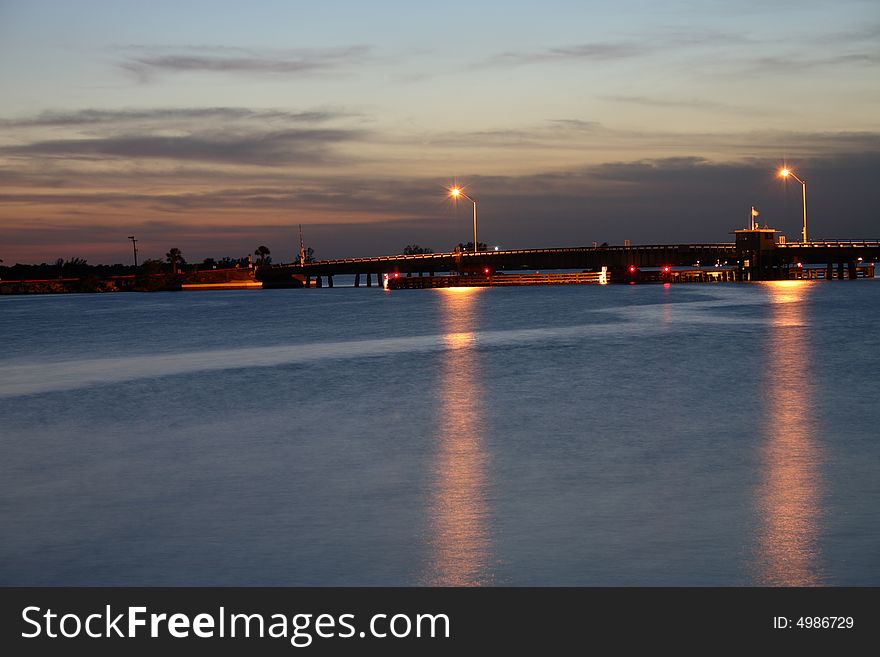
(819, 244)
(513, 252)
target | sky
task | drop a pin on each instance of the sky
(215, 127)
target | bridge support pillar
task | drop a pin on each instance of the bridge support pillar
(308, 281)
(357, 280)
(431, 274)
(420, 274)
(840, 271)
(369, 280)
(329, 280)
(829, 271)
(319, 282)
(853, 272)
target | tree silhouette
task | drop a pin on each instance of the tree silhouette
(174, 257)
(75, 267)
(415, 249)
(261, 253)
(151, 266)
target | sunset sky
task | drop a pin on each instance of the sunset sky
(218, 126)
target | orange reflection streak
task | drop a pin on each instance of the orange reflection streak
(460, 547)
(789, 497)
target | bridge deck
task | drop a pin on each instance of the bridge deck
(582, 258)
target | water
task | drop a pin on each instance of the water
(618, 435)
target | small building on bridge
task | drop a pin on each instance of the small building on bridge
(755, 250)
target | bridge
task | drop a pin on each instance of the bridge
(592, 258)
(755, 252)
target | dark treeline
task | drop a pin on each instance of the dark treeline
(79, 268)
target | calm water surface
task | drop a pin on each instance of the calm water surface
(619, 435)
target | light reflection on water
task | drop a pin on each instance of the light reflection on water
(588, 435)
(789, 498)
(459, 542)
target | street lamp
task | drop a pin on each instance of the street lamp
(455, 193)
(134, 246)
(785, 172)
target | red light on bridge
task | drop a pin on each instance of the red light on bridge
(632, 269)
(396, 275)
(486, 270)
(666, 269)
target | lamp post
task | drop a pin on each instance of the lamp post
(135, 248)
(785, 172)
(456, 192)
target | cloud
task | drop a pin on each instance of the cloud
(107, 118)
(578, 125)
(264, 149)
(686, 103)
(600, 52)
(147, 66)
(346, 196)
(212, 135)
(560, 138)
(661, 40)
(556, 132)
(868, 32)
(798, 61)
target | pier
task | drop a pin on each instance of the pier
(496, 280)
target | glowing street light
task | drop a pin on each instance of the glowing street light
(785, 172)
(456, 192)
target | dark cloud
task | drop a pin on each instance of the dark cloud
(89, 117)
(267, 148)
(303, 62)
(681, 199)
(341, 197)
